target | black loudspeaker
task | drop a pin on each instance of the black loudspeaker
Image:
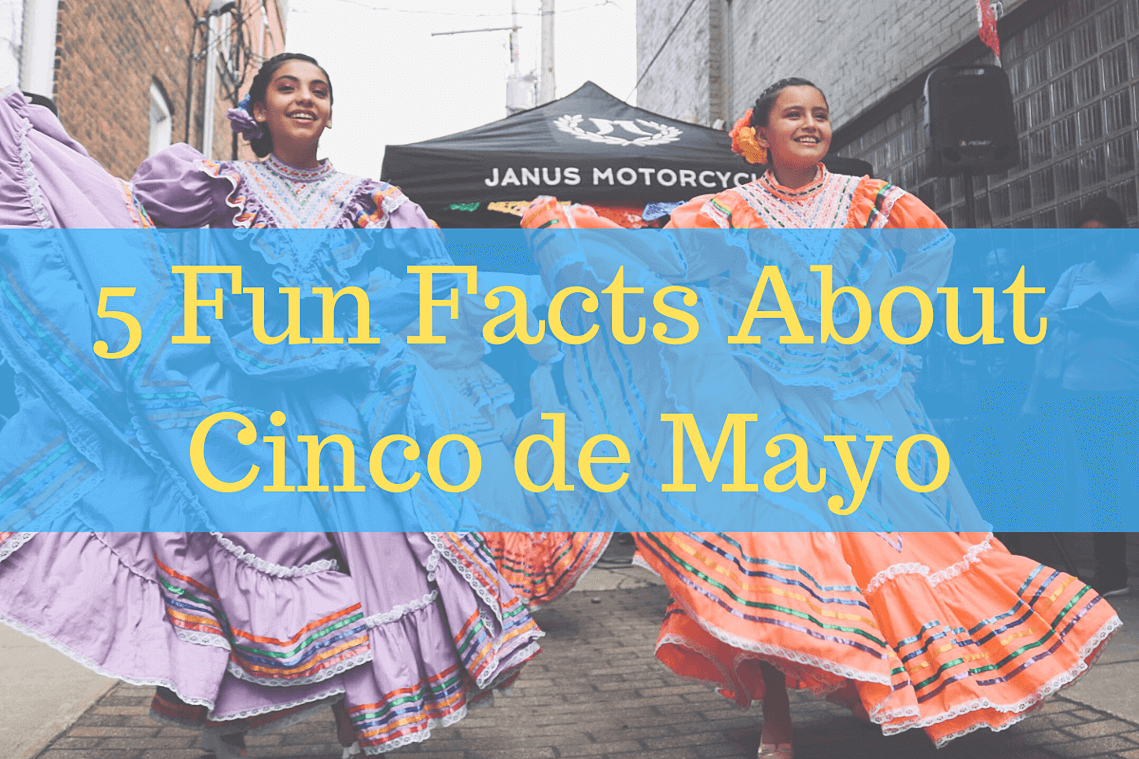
(969, 121)
(854, 167)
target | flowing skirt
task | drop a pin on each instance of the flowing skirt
(543, 567)
(251, 629)
(933, 628)
(939, 631)
(242, 629)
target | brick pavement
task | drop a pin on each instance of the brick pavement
(596, 691)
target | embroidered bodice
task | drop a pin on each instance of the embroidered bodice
(831, 201)
(181, 188)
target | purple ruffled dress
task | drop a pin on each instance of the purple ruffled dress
(249, 629)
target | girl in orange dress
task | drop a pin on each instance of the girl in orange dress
(940, 630)
(542, 567)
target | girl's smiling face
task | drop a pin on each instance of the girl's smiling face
(798, 131)
(298, 105)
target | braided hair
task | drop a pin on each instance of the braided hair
(263, 145)
(761, 111)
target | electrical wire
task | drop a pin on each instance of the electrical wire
(660, 49)
(417, 11)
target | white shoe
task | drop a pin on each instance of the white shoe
(775, 751)
(352, 750)
(212, 742)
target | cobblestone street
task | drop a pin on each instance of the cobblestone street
(597, 691)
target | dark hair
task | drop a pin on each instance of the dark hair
(263, 146)
(1104, 210)
(761, 111)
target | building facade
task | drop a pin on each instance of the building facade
(130, 77)
(1072, 64)
(1073, 69)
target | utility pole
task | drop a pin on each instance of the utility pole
(546, 91)
(514, 39)
(519, 86)
(211, 86)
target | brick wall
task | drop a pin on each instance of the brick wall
(108, 54)
(677, 84)
(857, 52)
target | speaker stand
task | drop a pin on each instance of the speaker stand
(970, 201)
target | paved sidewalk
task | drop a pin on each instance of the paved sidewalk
(597, 691)
(43, 693)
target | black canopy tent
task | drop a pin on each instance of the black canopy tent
(588, 147)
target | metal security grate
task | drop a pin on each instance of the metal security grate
(1073, 75)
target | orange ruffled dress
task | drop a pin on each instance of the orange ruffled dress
(542, 567)
(943, 631)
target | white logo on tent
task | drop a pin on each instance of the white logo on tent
(661, 134)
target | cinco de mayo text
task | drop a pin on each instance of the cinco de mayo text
(514, 322)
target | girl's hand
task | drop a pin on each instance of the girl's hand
(539, 212)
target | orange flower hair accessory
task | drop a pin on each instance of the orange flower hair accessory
(743, 141)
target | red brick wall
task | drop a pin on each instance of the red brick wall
(109, 52)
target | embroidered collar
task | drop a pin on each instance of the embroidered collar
(293, 174)
(769, 183)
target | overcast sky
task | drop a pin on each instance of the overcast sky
(394, 83)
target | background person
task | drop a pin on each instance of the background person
(1099, 384)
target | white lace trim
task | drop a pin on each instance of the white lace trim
(517, 659)
(268, 567)
(14, 543)
(338, 669)
(1022, 708)
(418, 737)
(97, 668)
(28, 174)
(896, 570)
(202, 639)
(335, 691)
(798, 657)
(495, 664)
(581, 573)
(1026, 705)
(639, 561)
(388, 205)
(306, 711)
(432, 564)
(466, 574)
(972, 556)
(402, 610)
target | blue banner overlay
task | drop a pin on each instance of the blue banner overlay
(551, 380)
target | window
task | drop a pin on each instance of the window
(160, 120)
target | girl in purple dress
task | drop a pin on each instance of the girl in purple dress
(239, 631)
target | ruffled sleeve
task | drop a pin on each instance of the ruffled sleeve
(905, 211)
(393, 292)
(179, 188)
(927, 255)
(694, 214)
(379, 205)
